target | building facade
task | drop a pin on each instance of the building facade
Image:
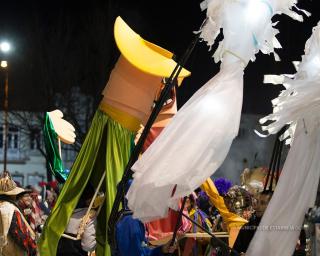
(25, 161)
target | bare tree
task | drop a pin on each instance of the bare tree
(72, 53)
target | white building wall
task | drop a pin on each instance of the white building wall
(27, 165)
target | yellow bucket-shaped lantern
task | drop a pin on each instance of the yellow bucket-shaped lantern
(144, 55)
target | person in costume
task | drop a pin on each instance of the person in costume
(194, 145)
(232, 220)
(78, 222)
(127, 101)
(131, 238)
(196, 246)
(16, 236)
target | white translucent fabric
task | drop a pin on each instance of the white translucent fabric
(210, 121)
(193, 146)
(296, 191)
(298, 105)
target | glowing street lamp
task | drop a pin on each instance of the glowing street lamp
(4, 64)
(5, 47)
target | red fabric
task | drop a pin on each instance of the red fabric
(153, 134)
(21, 235)
(162, 228)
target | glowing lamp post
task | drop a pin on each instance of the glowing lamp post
(5, 47)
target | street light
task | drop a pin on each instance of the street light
(5, 47)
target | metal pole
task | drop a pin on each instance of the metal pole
(6, 92)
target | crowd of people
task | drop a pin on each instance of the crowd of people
(23, 213)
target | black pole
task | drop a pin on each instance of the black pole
(271, 164)
(273, 168)
(137, 149)
(274, 165)
(178, 223)
(278, 162)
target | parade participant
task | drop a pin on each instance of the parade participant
(131, 239)
(127, 102)
(87, 241)
(16, 236)
(196, 246)
(231, 218)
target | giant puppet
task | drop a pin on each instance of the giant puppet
(127, 102)
(299, 106)
(196, 142)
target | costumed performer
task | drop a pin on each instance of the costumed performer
(131, 237)
(298, 105)
(17, 238)
(233, 221)
(195, 246)
(127, 102)
(195, 143)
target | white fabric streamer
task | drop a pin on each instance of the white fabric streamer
(194, 145)
(298, 105)
(216, 119)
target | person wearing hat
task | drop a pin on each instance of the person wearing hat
(16, 236)
(127, 102)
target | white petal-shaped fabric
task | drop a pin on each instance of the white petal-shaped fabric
(298, 105)
(180, 159)
(194, 145)
(296, 191)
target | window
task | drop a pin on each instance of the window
(34, 179)
(18, 178)
(35, 138)
(13, 137)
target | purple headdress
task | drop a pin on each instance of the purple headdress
(203, 195)
(222, 185)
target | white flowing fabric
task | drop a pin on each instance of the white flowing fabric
(298, 105)
(211, 104)
(193, 146)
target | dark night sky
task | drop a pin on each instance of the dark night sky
(88, 51)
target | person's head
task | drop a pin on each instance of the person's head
(262, 202)
(8, 188)
(203, 202)
(190, 202)
(24, 199)
(239, 201)
(86, 196)
(50, 196)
